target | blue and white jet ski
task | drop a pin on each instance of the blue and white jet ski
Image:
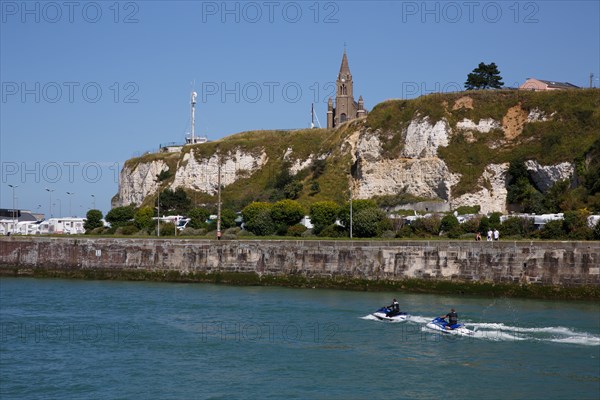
(381, 314)
(440, 325)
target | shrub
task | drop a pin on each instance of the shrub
(166, 229)
(576, 226)
(495, 220)
(333, 231)
(262, 224)
(98, 231)
(126, 230)
(553, 230)
(322, 214)
(308, 233)
(404, 232)
(484, 225)
(388, 235)
(120, 216)
(515, 226)
(296, 230)
(471, 225)
(198, 217)
(448, 223)
(597, 231)
(175, 202)
(143, 218)
(368, 223)
(357, 206)
(235, 230)
(245, 233)
(287, 212)
(293, 190)
(228, 218)
(250, 212)
(93, 220)
(193, 232)
(424, 227)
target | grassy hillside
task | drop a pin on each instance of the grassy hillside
(571, 132)
(572, 128)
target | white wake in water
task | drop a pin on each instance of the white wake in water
(371, 317)
(557, 334)
(496, 331)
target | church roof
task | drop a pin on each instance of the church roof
(344, 68)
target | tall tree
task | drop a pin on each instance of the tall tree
(93, 220)
(485, 76)
(174, 202)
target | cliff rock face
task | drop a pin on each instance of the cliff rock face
(545, 176)
(423, 176)
(138, 182)
(201, 175)
(454, 148)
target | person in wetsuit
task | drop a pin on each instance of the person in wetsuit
(452, 318)
(394, 309)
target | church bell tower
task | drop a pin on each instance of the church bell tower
(346, 108)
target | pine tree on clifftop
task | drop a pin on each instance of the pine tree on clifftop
(485, 76)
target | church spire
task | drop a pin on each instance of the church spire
(344, 68)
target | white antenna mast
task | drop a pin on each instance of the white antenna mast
(194, 94)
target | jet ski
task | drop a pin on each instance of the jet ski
(383, 311)
(440, 324)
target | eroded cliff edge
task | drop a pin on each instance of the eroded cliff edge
(452, 148)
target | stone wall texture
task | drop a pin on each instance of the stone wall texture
(565, 264)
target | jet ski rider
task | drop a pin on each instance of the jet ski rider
(394, 309)
(452, 318)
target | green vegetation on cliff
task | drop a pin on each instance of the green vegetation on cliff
(547, 127)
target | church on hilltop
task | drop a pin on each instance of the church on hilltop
(346, 109)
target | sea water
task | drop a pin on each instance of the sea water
(72, 339)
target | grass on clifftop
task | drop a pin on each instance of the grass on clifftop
(570, 131)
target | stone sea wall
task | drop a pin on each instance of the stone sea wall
(422, 264)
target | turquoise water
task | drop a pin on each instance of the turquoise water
(73, 339)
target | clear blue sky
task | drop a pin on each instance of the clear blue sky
(87, 85)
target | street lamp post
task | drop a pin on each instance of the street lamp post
(70, 195)
(93, 202)
(14, 210)
(50, 191)
(350, 213)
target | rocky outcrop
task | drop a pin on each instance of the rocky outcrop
(422, 139)
(492, 193)
(418, 171)
(137, 182)
(484, 126)
(546, 176)
(202, 174)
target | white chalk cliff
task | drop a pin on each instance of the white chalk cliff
(416, 168)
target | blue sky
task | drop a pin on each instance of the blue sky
(87, 85)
